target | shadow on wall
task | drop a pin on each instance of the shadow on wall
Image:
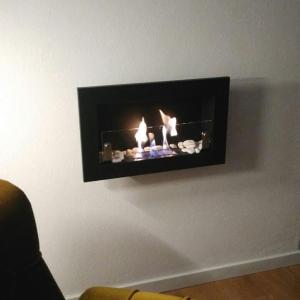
(281, 132)
(244, 132)
(244, 137)
(261, 115)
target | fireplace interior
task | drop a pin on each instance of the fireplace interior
(142, 128)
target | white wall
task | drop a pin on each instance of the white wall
(125, 230)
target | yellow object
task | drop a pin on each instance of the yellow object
(106, 293)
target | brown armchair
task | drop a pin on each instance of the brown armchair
(23, 272)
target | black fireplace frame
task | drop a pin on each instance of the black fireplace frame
(90, 97)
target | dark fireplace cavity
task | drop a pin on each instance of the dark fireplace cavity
(143, 128)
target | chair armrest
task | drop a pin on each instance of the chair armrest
(156, 296)
(106, 293)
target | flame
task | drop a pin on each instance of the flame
(168, 127)
(141, 135)
(170, 123)
(165, 140)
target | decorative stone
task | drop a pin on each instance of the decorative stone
(147, 149)
(180, 145)
(200, 145)
(135, 149)
(189, 144)
(173, 146)
(119, 153)
(197, 150)
(138, 155)
(190, 150)
(118, 156)
(130, 153)
(184, 149)
(157, 147)
(117, 159)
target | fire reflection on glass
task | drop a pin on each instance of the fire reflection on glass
(154, 141)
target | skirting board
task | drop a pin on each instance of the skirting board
(182, 280)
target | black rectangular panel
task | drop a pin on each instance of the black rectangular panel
(110, 116)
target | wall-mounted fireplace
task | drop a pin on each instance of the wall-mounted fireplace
(143, 128)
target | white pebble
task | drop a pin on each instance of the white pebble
(180, 145)
(157, 147)
(118, 156)
(200, 146)
(117, 159)
(189, 144)
(190, 150)
(129, 152)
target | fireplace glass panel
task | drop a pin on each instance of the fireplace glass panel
(132, 132)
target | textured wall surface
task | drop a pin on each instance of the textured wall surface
(131, 229)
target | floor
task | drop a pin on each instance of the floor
(279, 284)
